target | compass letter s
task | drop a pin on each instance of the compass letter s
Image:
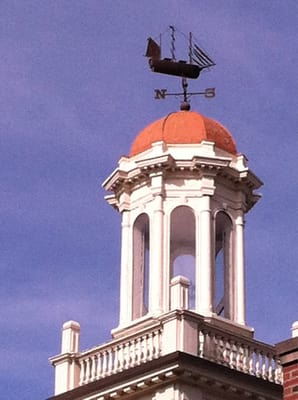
(209, 93)
(160, 93)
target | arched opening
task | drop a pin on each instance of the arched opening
(140, 266)
(182, 247)
(222, 276)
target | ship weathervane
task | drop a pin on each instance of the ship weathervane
(198, 60)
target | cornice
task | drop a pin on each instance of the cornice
(131, 174)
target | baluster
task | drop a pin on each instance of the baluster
(110, 361)
(245, 359)
(139, 350)
(126, 355)
(226, 351)
(207, 343)
(130, 352)
(278, 372)
(145, 348)
(270, 368)
(215, 348)
(104, 363)
(99, 366)
(150, 346)
(93, 368)
(134, 355)
(219, 350)
(251, 362)
(201, 344)
(263, 366)
(82, 372)
(232, 355)
(158, 344)
(257, 366)
(116, 360)
(208, 346)
(121, 357)
(136, 351)
(87, 377)
(154, 347)
(240, 357)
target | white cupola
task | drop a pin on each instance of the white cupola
(183, 193)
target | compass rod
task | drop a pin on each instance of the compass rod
(181, 94)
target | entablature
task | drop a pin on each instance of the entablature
(158, 168)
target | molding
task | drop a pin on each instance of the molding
(65, 357)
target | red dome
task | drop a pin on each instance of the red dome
(184, 127)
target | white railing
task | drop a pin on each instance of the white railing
(214, 343)
(240, 353)
(119, 355)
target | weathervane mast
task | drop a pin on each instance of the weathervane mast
(198, 60)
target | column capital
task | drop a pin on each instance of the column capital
(205, 203)
(125, 223)
(240, 219)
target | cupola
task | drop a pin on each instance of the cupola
(183, 192)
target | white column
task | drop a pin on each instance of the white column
(126, 270)
(204, 255)
(156, 257)
(239, 274)
(167, 263)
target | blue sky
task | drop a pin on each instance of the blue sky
(75, 90)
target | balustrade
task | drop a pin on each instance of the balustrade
(117, 356)
(215, 344)
(240, 353)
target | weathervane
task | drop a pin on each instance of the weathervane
(198, 60)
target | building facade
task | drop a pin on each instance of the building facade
(183, 193)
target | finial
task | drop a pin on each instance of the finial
(295, 329)
(185, 106)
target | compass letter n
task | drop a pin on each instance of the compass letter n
(160, 93)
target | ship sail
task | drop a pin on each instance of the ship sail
(201, 58)
(153, 49)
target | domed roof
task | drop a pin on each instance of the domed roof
(184, 127)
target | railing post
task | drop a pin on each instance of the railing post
(180, 333)
(287, 366)
(67, 367)
(179, 293)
